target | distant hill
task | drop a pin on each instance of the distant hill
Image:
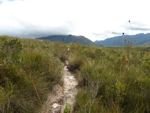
(136, 40)
(68, 39)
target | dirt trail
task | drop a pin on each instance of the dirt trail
(62, 96)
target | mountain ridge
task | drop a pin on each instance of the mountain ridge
(135, 40)
(68, 39)
(116, 41)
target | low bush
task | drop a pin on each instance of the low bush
(28, 71)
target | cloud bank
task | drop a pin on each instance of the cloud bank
(95, 19)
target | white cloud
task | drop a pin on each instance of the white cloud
(79, 17)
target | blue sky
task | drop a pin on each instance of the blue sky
(95, 19)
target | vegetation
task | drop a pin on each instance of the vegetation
(67, 109)
(28, 71)
(111, 80)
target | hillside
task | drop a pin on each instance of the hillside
(34, 73)
(68, 39)
(136, 40)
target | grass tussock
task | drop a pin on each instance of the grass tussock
(112, 80)
(28, 71)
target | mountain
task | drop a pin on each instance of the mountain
(136, 40)
(68, 39)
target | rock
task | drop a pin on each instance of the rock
(56, 108)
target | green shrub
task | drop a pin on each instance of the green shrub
(67, 109)
(10, 50)
(28, 71)
(111, 83)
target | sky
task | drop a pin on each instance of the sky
(95, 19)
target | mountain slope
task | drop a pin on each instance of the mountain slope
(68, 39)
(138, 39)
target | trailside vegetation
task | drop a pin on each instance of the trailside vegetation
(111, 80)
